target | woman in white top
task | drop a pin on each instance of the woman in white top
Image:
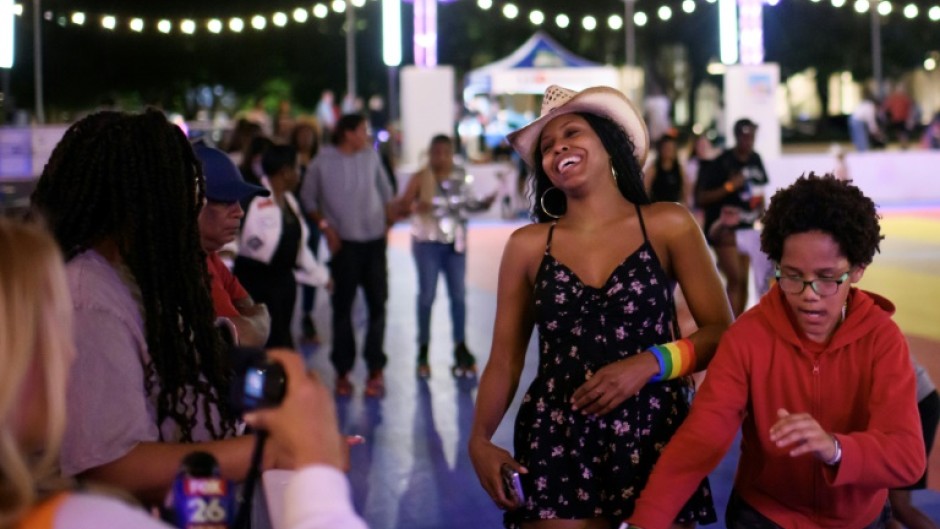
(439, 198)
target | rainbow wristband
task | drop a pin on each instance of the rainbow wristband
(676, 359)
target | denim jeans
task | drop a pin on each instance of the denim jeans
(858, 131)
(431, 259)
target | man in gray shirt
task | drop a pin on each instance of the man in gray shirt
(347, 193)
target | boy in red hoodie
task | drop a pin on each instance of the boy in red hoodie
(818, 377)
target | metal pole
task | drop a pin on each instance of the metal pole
(393, 126)
(392, 95)
(37, 61)
(350, 51)
(876, 50)
(630, 46)
(6, 101)
(630, 32)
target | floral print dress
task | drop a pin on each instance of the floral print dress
(596, 466)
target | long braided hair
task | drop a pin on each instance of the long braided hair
(133, 179)
(619, 147)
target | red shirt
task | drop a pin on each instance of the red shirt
(226, 289)
(860, 386)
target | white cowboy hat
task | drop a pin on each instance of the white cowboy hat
(602, 101)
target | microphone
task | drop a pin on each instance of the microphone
(200, 498)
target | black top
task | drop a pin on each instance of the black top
(714, 175)
(667, 184)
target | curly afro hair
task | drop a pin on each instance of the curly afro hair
(823, 203)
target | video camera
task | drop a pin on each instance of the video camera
(257, 382)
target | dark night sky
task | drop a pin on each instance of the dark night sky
(83, 64)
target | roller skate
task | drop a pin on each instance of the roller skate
(424, 369)
(343, 387)
(465, 364)
(375, 386)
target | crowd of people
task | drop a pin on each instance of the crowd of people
(147, 257)
(874, 123)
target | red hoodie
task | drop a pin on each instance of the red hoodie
(860, 386)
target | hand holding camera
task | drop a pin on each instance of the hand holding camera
(303, 422)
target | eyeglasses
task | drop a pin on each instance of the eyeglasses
(821, 285)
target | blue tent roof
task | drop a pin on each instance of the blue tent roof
(540, 51)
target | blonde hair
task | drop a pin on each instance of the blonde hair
(35, 337)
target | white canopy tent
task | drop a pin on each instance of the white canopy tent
(539, 62)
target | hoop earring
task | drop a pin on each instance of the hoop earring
(542, 203)
(613, 171)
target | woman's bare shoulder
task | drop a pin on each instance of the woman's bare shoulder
(528, 238)
(668, 217)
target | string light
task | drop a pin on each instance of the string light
(300, 15)
(510, 10)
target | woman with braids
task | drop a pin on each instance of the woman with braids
(36, 350)
(596, 275)
(817, 377)
(122, 194)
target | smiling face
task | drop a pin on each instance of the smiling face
(816, 255)
(571, 152)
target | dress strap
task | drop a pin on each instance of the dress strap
(676, 332)
(548, 243)
(642, 224)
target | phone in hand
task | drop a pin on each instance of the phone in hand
(512, 485)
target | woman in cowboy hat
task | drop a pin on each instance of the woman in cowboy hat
(596, 275)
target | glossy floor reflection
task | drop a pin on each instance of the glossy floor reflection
(413, 472)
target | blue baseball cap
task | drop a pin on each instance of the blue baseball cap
(224, 182)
